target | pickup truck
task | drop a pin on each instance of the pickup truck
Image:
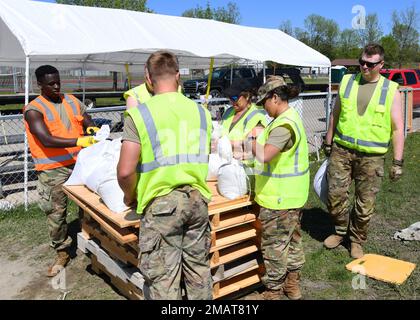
(221, 80)
(407, 78)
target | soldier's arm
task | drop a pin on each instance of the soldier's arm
(131, 102)
(38, 128)
(127, 170)
(397, 120)
(87, 121)
(335, 115)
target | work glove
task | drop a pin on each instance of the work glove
(327, 149)
(92, 130)
(396, 170)
(85, 142)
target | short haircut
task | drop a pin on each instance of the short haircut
(374, 48)
(162, 64)
(43, 70)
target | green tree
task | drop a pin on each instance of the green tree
(286, 27)
(135, 5)
(372, 32)
(405, 32)
(390, 45)
(348, 44)
(230, 14)
(322, 34)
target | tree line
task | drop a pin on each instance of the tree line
(401, 44)
(322, 34)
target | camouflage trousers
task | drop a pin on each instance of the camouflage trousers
(367, 170)
(53, 201)
(174, 242)
(281, 244)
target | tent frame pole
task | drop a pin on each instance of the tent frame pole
(84, 82)
(264, 76)
(25, 156)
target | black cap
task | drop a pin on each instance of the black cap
(237, 87)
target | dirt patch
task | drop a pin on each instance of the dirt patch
(18, 271)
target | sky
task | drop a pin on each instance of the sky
(270, 13)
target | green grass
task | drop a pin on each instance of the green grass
(396, 208)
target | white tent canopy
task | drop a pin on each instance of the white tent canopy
(107, 39)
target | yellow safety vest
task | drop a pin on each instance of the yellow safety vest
(175, 144)
(244, 126)
(371, 132)
(283, 183)
(141, 94)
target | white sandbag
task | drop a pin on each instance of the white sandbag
(112, 195)
(232, 180)
(215, 162)
(224, 149)
(103, 133)
(96, 167)
(216, 132)
(103, 180)
(87, 160)
(321, 183)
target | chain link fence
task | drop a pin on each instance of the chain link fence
(312, 107)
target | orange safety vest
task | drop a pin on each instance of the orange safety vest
(50, 158)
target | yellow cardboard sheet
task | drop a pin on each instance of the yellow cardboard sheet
(382, 268)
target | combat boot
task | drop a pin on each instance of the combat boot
(333, 241)
(272, 294)
(356, 250)
(291, 286)
(60, 262)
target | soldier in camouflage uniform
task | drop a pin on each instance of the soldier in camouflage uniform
(181, 216)
(54, 124)
(281, 189)
(367, 113)
(169, 185)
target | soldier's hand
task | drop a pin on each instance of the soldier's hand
(327, 149)
(396, 170)
(85, 142)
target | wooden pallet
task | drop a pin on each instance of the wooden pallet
(124, 253)
(127, 289)
(234, 229)
(240, 275)
(84, 197)
(246, 279)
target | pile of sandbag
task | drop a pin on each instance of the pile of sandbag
(96, 167)
(232, 181)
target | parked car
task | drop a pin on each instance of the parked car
(406, 78)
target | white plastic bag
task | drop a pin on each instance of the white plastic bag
(224, 149)
(321, 183)
(232, 180)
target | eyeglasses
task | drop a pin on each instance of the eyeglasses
(268, 96)
(234, 98)
(368, 64)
